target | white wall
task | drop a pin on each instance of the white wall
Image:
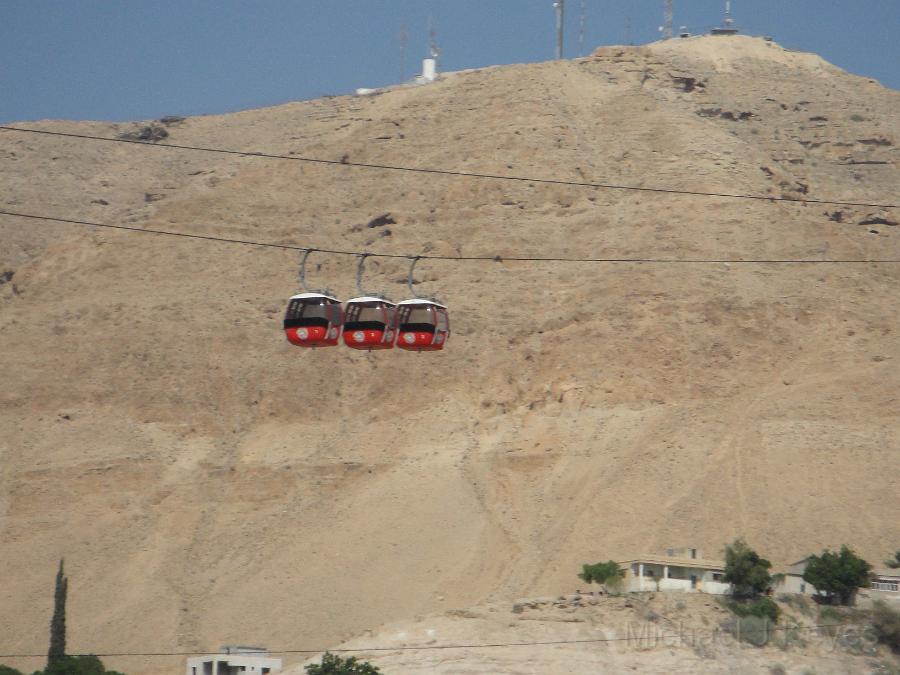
(715, 588)
(673, 585)
(223, 663)
(793, 583)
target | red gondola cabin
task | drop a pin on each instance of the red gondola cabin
(313, 320)
(423, 325)
(369, 323)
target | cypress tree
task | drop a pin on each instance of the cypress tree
(58, 622)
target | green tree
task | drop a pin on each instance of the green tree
(8, 670)
(78, 665)
(746, 571)
(599, 573)
(894, 562)
(839, 575)
(335, 665)
(58, 622)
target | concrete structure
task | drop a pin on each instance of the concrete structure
(728, 28)
(793, 582)
(681, 569)
(429, 69)
(234, 660)
(885, 584)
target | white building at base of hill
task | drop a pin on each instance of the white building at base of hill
(234, 660)
(681, 569)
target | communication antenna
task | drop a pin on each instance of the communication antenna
(560, 13)
(582, 20)
(727, 28)
(666, 28)
(433, 50)
(404, 40)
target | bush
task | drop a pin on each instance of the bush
(839, 575)
(829, 620)
(763, 607)
(886, 624)
(894, 563)
(335, 665)
(8, 670)
(746, 571)
(753, 629)
(600, 573)
(78, 665)
(798, 602)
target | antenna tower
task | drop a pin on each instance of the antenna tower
(433, 50)
(404, 40)
(667, 20)
(560, 13)
(581, 23)
(729, 22)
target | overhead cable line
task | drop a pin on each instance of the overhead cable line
(464, 174)
(480, 645)
(458, 258)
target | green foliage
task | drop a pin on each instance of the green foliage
(763, 607)
(58, 622)
(798, 602)
(886, 624)
(746, 571)
(830, 615)
(335, 665)
(601, 573)
(894, 563)
(8, 670)
(78, 665)
(757, 630)
(839, 575)
(830, 619)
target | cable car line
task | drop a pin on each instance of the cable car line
(462, 258)
(449, 172)
(409, 648)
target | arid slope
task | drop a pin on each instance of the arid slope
(208, 483)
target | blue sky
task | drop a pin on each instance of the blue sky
(130, 59)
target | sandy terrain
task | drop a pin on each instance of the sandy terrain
(655, 633)
(208, 483)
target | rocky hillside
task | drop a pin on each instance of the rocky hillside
(652, 633)
(208, 483)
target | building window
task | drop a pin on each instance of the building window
(886, 586)
(717, 576)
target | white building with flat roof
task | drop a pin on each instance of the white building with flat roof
(886, 584)
(792, 580)
(234, 660)
(681, 569)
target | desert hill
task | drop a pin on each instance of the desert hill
(585, 634)
(208, 483)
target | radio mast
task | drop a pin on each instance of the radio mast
(560, 11)
(667, 20)
(404, 40)
(581, 23)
